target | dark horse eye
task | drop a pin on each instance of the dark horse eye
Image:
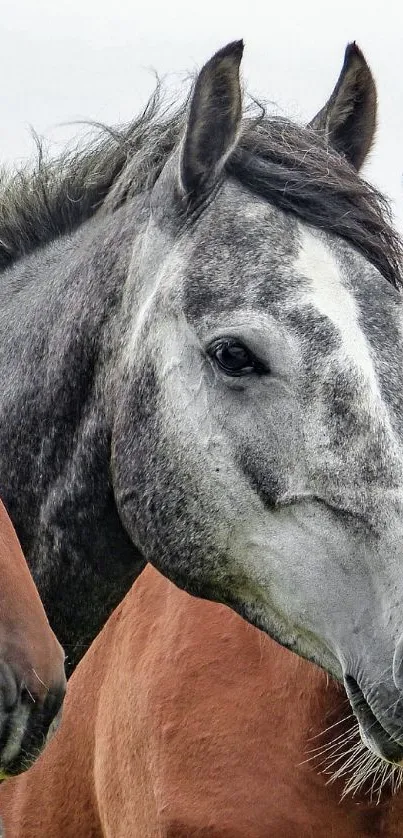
(234, 359)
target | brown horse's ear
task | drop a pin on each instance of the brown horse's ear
(349, 117)
(214, 121)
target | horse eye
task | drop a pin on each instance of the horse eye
(234, 359)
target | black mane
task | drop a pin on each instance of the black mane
(289, 165)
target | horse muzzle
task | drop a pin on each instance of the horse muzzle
(28, 718)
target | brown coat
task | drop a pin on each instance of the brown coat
(182, 721)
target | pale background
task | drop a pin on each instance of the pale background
(63, 61)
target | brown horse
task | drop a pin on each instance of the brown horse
(32, 679)
(182, 720)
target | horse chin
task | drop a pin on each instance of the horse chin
(382, 746)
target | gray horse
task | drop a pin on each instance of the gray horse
(201, 367)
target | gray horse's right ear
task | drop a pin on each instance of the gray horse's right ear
(349, 117)
(214, 121)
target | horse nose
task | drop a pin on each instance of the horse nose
(34, 694)
(398, 664)
(44, 705)
(29, 714)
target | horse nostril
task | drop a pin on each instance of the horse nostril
(9, 688)
(355, 694)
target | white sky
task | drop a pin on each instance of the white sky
(61, 61)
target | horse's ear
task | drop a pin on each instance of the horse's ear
(214, 121)
(349, 117)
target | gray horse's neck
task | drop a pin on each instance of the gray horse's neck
(59, 310)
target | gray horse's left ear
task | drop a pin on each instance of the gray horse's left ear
(349, 117)
(214, 121)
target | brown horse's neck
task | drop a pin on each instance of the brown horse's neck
(252, 711)
(182, 721)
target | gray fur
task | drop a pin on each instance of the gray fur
(279, 492)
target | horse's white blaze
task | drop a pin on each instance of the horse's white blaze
(331, 298)
(328, 293)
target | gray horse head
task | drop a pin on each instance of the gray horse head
(201, 366)
(257, 432)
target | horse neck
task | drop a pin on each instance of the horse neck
(257, 708)
(74, 516)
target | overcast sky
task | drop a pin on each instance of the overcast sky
(63, 61)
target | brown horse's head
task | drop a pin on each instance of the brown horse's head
(32, 678)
